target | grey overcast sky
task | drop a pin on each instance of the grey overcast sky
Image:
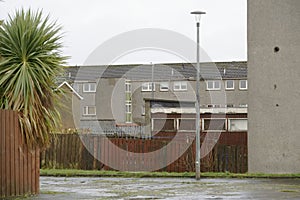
(87, 24)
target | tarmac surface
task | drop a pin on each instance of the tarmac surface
(62, 188)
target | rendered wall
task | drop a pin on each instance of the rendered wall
(274, 86)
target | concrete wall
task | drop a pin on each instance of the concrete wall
(274, 86)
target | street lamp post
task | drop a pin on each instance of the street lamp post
(197, 104)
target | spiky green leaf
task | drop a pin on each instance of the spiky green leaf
(30, 47)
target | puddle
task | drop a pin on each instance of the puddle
(60, 188)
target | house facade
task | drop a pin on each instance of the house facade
(127, 96)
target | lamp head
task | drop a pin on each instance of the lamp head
(198, 15)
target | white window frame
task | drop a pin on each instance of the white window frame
(127, 87)
(226, 85)
(180, 86)
(90, 88)
(128, 107)
(230, 125)
(164, 86)
(86, 111)
(163, 119)
(243, 105)
(183, 130)
(213, 85)
(147, 87)
(203, 125)
(240, 83)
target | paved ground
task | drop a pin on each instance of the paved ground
(167, 188)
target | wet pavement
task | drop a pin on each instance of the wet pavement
(62, 188)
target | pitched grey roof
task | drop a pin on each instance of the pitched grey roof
(218, 70)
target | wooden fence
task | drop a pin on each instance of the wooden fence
(19, 167)
(69, 152)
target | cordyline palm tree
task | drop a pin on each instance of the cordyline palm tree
(31, 61)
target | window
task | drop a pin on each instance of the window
(163, 124)
(128, 90)
(127, 87)
(243, 85)
(89, 87)
(146, 87)
(243, 105)
(186, 124)
(229, 105)
(213, 85)
(164, 86)
(89, 110)
(229, 85)
(128, 107)
(180, 86)
(238, 124)
(214, 125)
(213, 106)
(128, 118)
(128, 110)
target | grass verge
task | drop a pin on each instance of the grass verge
(100, 173)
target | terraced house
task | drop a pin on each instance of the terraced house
(136, 99)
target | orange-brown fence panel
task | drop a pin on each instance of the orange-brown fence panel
(229, 154)
(19, 166)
